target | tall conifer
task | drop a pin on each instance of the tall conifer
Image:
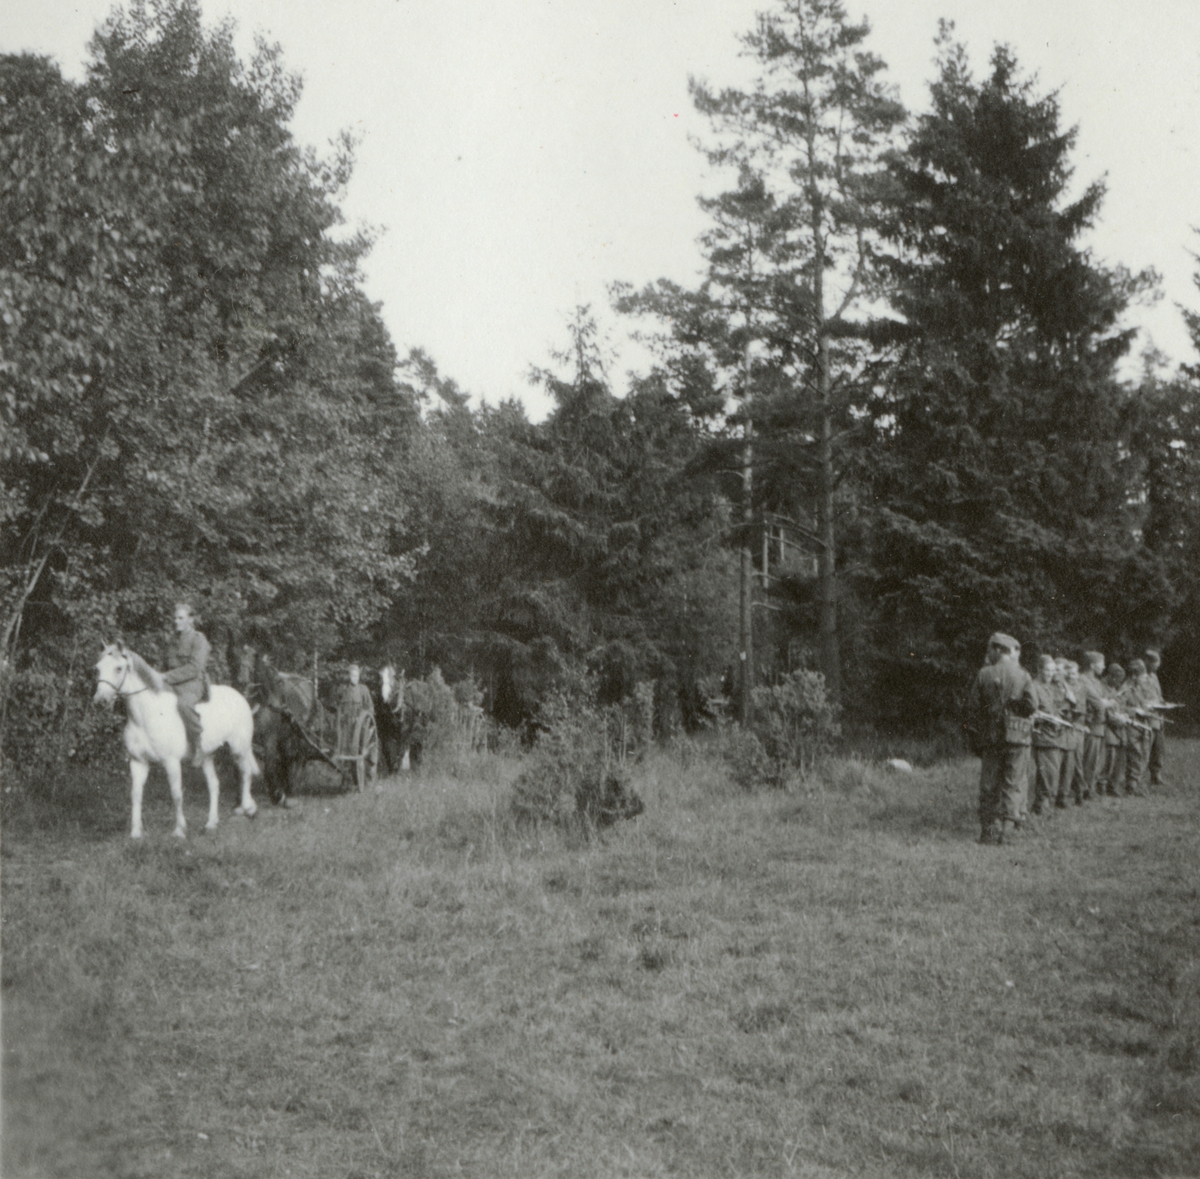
(1000, 482)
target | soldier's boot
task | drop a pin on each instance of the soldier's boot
(191, 722)
(1011, 831)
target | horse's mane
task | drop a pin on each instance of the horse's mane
(285, 691)
(152, 677)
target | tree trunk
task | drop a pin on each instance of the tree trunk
(831, 663)
(746, 581)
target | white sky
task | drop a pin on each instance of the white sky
(520, 155)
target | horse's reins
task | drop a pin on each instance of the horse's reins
(117, 687)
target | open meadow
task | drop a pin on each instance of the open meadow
(835, 981)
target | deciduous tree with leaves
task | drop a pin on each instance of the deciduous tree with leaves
(198, 400)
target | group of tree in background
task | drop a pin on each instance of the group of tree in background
(887, 421)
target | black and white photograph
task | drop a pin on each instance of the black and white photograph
(599, 589)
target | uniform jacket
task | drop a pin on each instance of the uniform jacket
(353, 699)
(1050, 698)
(187, 658)
(1134, 696)
(1075, 699)
(999, 706)
(1154, 696)
(1097, 693)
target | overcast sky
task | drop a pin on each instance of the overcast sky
(520, 155)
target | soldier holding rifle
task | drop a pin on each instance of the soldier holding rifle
(1158, 723)
(999, 728)
(1113, 768)
(1093, 740)
(1135, 699)
(1075, 707)
(1050, 735)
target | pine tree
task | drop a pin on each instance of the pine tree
(792, 257)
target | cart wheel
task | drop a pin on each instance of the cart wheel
(366, 751)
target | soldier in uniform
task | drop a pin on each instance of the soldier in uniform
(187, 673)
(999, 729)
(1093, 740)
(1073, 781)
(353, 699)
(1049, 739)
(1135, 697)
(1157, 723)
(1113, 769)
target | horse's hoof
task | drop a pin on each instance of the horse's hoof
(135, 835)
(210, 826)
(238, 810)
(179, 834)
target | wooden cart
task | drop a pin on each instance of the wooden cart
(361, 755)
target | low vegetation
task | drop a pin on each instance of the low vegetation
(830, 980)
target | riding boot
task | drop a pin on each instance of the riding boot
(195, 755)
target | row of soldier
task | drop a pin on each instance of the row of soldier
(1073, 732)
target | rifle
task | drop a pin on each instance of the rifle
(1123, 719)
(1050, 718)
(1164, 706)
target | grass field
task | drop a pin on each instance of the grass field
(826, 983)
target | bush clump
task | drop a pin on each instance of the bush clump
(796, 723)
(794, 728)
(742, 751)
(573, 779)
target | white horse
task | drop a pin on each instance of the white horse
(155, 732)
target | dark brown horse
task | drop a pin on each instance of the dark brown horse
(288, 721)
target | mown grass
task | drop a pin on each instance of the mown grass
(826, 983)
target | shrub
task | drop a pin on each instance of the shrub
(51, 728)
(574, 778)
(743, 753)
(796, 724)
(433, 714)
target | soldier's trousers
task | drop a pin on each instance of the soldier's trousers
(1137, 754)
(1003, 774)
(1049, 763)
(189, 695)
(1112, 772)
(1093, 761)
(1157, 750)
(1072, 781)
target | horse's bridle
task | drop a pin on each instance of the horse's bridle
(117, 687)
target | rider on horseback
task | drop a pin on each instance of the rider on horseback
(187, 660)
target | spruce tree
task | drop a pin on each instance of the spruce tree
(1000, 486)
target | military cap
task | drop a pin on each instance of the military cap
(1005, 641)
